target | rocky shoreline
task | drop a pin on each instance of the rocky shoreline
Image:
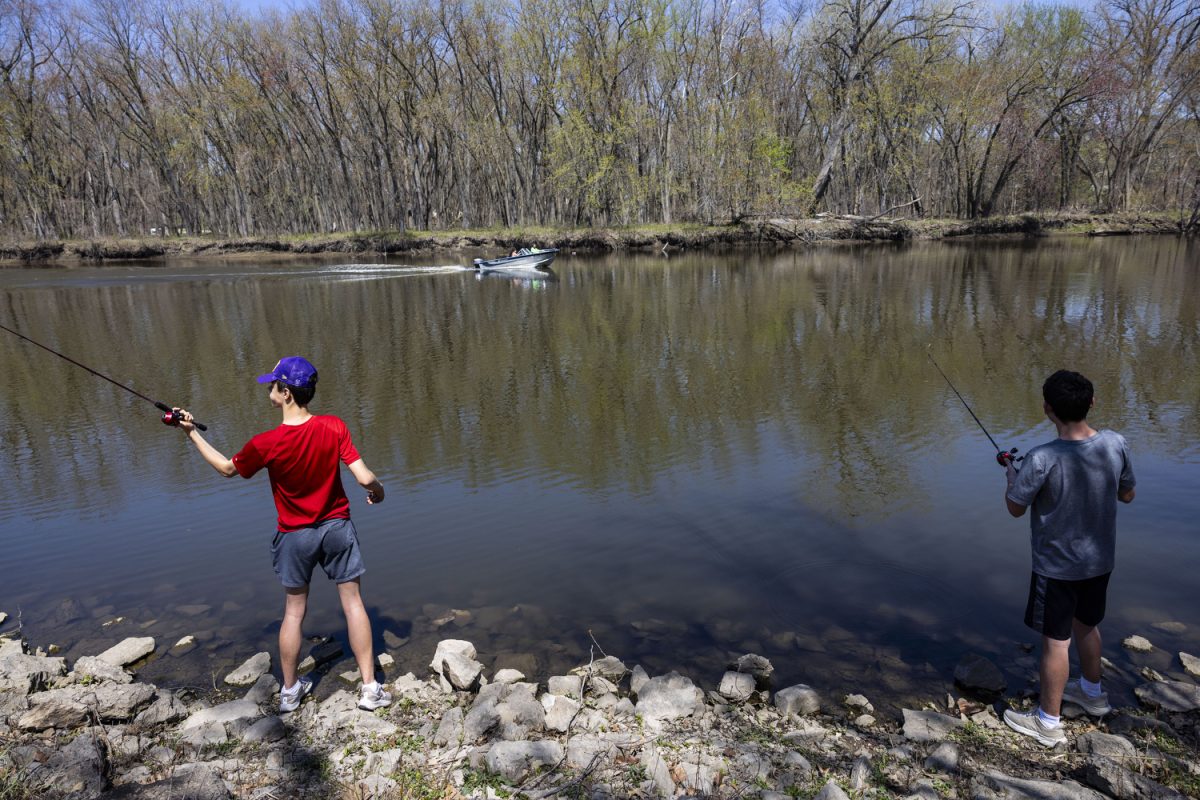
(762, 231)
(92, 729)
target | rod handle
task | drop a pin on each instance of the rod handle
(171, 412)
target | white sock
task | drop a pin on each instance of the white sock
(1047, 720)
(291, 689)
(1089, 688)
(373, 686)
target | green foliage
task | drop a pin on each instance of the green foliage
(475, 780)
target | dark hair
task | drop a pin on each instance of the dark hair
(303, 395)
(1069, 395)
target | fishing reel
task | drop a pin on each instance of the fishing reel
(1003, 458)
(172, 418)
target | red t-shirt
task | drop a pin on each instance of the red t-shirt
(302, 462)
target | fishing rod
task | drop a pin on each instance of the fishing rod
(170, 417)
(1003, 457)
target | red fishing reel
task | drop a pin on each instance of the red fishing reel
(172, 418)
(1003, 458)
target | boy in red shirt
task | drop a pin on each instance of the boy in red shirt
(302, 457)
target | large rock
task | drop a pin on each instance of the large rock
(1191, 664)
(637, 679)
(592, 750)
(755, 665)
(455, 665)
(736, 687)
(1117, 781)
(250, 671)
(831, 791)
(1170, 695)
(76, 771)
(1117, 748)
(976, 673)
(110, 702)
(609, 667)
(24, 673)
(514, 760)
(995, 785)
(90, 667)
(929, 726)
(224, 713)
(190, 781)
(59, 714)
(560, 711)
(167, 708)
(659, 782)
(450, 731)
(798, 700)
(129, 651)
(667, 697)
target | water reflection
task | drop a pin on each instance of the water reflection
(734, 451)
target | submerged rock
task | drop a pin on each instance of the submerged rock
(1191, 664)
(250, 671)
(129, 651)
(1137, 644)
(974, 672)
(1170, 695)
(798, 700)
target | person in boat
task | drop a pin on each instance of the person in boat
(1073, 484)
(302, 458)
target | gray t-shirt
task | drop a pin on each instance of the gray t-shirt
(1072, 488)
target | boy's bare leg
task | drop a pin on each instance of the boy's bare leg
(291, 635)
(359, 626)
(1087, 640)
(1054, 671)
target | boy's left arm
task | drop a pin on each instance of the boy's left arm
(1016, 509)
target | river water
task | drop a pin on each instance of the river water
(674, 460)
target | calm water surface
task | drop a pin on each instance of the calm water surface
(685, 459)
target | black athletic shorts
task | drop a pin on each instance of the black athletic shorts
(1054, 603)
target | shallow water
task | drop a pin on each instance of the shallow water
(674, 460)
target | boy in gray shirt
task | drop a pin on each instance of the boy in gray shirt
(1072, 484)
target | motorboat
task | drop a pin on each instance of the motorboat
(525, 259)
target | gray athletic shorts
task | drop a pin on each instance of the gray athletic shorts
(333, 544)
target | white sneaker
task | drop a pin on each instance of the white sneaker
(371, 699)
(1096, 706)
(289, 699)
(1030, 724)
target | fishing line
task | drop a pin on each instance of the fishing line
(170, 417)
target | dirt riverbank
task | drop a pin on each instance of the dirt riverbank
(763, 231)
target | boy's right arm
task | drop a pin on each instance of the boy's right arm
(214, 457)
(368, 481)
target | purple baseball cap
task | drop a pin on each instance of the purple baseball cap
(293, 371)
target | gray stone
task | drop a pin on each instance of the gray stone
(859, 701)
(508, 676)
(90, 667)
(1170, 695)
(379, 786)
(1113, 779)
(250, 671)
(167, 708)
(737, 687)
(699, 771)
(637, 679)
(450, 730)
(1191, 664)
(3, 617)
(208, 734)
(1117, 748)
(76, 771)
(232, 711)
(609, 667)
(590, 750)
(520, 713)
(191, 781)
(129, 651)
(755, 665)
(267, 729)
(929, 726)
(831, 791)
(974, 672)
(460, 672)
(111, 702)
(995, 785)
(560, 711)
(25, 673)
(860, 774)
(325, 652)
(943, 759)
(667, 697)
(60, 714)
(798, 700)
(1138, 644)
(446, 646)
(265, 690)
(566, 686)
(514, 760)
(394, 641)
(659, 782)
